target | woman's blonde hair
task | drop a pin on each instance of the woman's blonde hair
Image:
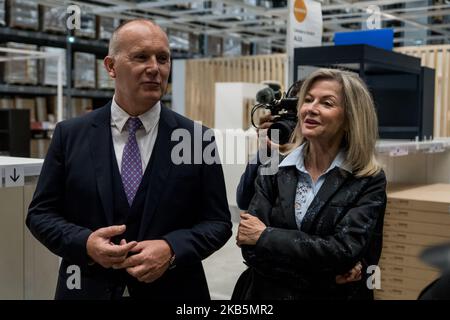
(360, 118)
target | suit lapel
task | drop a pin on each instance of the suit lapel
(332, 183)
(100, 146)
(287, 179)
(161, 165)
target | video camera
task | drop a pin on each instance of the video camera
(283, 108)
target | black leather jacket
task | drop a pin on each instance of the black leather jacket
(343, 225)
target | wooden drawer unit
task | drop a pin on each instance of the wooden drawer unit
(416, 218)
(434, 197)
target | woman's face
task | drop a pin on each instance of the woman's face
(322, 115)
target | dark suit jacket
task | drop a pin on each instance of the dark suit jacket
(246, 187)
(185, 204)
(343, 225)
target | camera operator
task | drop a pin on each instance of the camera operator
(246, 189)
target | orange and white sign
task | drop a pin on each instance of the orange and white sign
(300, 10)
(305, 26)
(305, 23)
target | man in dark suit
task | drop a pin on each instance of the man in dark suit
(113, 201)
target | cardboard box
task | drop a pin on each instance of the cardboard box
(52, 107)
(80, 106)
(7, 103)
(20, 71)
(39, 148)
(23, 14)
(41, 109)
(54, 19)
(106, 27)
(49, 67)
(88, 26)
(84, 70)
(27, 103)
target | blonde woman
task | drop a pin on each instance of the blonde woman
(323, 211)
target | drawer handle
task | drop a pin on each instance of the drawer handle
(403, 213)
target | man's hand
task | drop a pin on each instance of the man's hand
(101, 250)
(352, 275)
(249, 230)
(151, 260)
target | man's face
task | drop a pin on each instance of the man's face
(141, 66)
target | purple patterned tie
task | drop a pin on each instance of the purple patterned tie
(131, 161)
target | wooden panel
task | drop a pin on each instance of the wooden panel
(202, 74)
(436, 57)
(11, 243)
(41, 266)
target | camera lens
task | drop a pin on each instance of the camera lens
(284, 127)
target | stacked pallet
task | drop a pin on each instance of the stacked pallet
(417, 217)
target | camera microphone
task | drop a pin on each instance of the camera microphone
(265, 95)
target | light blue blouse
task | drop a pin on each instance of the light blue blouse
(306, 188)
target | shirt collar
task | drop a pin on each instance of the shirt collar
(295, 158)
(149, 119)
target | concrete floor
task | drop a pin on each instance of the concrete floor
(224, 267)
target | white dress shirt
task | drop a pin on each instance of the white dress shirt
(307, 189)
(145, 136)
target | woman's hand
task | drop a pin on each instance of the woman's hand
(352, 275)
(250, 229)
